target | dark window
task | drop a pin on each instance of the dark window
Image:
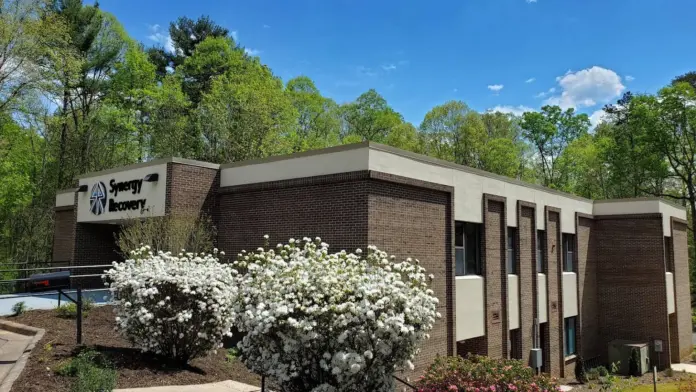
(569, 335)
(568, 252)
(466, 248)
(540, 250)
(511, 259)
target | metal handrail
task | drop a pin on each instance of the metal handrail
(48, 268)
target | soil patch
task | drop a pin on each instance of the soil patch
(135, 369)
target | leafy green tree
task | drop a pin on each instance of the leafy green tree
(689, 77)
(243, 116)
(369, 117)
(406, 137)
(455, 133)
(186, 34)
(550, 131)
(318, 119)
(213, 57)
(172, 131)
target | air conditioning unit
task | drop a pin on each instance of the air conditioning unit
(620, 353)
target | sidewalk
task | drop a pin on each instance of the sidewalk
(224, 386)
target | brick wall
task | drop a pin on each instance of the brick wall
(680, 257)
(349, 211)
(333, 207)
(495, 274)
(94, 245)
(63, 235)
(588, 305)
(477, 346)
(631, 280)
(526, 267)
(191, 190)
(553, 344)
(417, 222)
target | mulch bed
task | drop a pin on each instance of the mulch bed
(135, 369)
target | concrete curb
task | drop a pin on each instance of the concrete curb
(16, 370)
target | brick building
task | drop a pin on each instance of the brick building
(517, 266)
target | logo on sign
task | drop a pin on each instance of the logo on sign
(97, 201)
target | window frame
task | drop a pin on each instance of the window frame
(567, 349)
(510, 250)
(569, 253)
(478, 266)
(540, 251)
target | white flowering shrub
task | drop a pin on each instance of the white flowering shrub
(316, 321)
(176, 306)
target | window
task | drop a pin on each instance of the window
(466, 248)
(540, 250)
(511, 259)
(569, 336)
(568, 253)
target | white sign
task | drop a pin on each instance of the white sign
(658, 346)
(123, 195)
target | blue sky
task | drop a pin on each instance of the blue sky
(505, 54)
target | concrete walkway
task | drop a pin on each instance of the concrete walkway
(12, 347)
(684, 367)
(224, 386)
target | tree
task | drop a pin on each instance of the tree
(550, 131)
(455, 133)
(243, 116)
(185, 34)
(29, 38)
(689, 77)
(318, 121)
(370, 117)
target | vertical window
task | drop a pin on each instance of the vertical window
(466, 248)
(569, 336)
(568, 252)
(540, 251)
(511, 259)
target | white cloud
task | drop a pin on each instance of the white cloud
(587, 87)
(516, 110)
(545, 93)
(495, 87)
(161, 38)
(362, 70)
(389, 67)
(531, 1)
(266, 26)
(630, 78)
(530, 80)
(455, 90)
(235, 36)
(252, 52)
(597, 117)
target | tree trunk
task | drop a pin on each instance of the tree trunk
(63, 136)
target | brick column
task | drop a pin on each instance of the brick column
(588, 305)
(495, 274)
(682, 298)
(526, 267)
(553, 346)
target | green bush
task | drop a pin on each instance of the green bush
(19, 308)
(69, 309)
(91, 371)
(603, 372)
(478, 373)
(592, 374)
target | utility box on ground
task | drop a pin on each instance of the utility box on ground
(620, 352)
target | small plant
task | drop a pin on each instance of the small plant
(69, 310)
(602, 371)
(592, 374)
(19, 308)
(91, 371)
(634, 363)
(580, 375)
(232, 355)
(669, 372)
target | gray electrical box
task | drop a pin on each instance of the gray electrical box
(535, 359)
(620, 352)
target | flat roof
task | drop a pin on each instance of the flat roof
(184, 161)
